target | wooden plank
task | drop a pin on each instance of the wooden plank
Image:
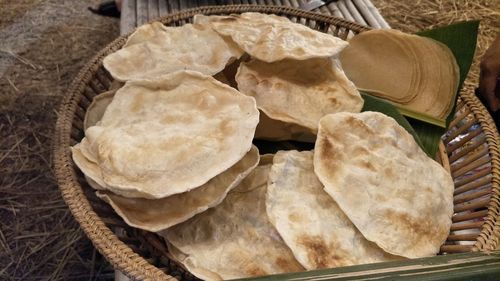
(153, 10)
(465, 266)
(128, 20)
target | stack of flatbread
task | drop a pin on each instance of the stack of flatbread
(416, 73)
(167, 148)
(171, 151)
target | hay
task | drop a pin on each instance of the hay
(39, 240)
(44, 44)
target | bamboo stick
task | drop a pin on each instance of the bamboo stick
(86, 98)
(471, 196)
(461, 115)
(345, 12)
(128, 13)
(97, 88)
(462, 237)
(473, 165)
(472, 146)
(162, 6)
(335, 10)
(482, 151)
(142, 12)
(366, 13)
(355, 13)
(459, 130)
(456, 248)
(80, 113)
(103, 78)
(173, 6)
(278, 3)
(153, 11)
(443, 157)
(473, 177)
(469, 216)
(78, 124)
(201, 3)
(76, 135)
(467, 225)
(475, 204)
(484, 182)
(376, 14)
(295, 3)
(461, 142)
(346, 15)
(287, 3)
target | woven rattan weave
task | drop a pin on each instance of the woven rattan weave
(471, 144)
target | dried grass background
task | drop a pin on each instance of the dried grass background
(43, 44)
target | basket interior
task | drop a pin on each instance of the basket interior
(466, 147)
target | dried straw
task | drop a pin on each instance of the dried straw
(39, 240)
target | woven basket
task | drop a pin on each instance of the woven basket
(470, 149)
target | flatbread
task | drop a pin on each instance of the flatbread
(168, 135)
(384, 182)
(373, 60)
(96, 109)
(317, 231)
(272, 38)
(159, 214)
(234, 239)
(154, 50)
(299, 92)
(418, 73)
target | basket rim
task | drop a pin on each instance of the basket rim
(119, 254)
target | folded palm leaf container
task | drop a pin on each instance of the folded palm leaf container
(470, 151)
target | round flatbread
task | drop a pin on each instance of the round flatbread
(272, 38)
(384, 182)
(154, 50)
(169, 135)
(234, 239)
(299, 92)
(159, 214)
(317, 231)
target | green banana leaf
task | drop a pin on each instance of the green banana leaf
(461, 39)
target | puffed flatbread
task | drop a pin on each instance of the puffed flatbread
(384, 182)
